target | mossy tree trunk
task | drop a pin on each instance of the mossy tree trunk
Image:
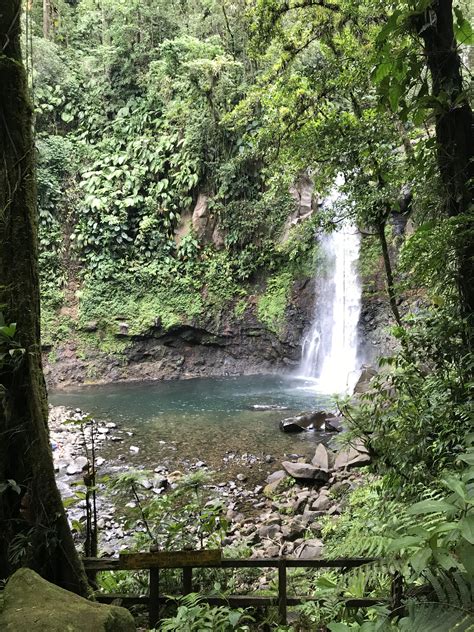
(33, 526)
(454, 135)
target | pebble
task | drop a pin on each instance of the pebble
(134, 449)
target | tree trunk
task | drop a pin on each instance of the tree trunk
(388, 273)
(46, 18)
(454, 134)
(33, 525)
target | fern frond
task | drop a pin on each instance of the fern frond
(436, 618)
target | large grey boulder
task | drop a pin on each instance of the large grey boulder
(309, 550)
(323, 458)
(350, 457)
(31, 603)
(334, 424)
(269, 531)
(274, 481)
(308, 421)
(322, 503)
(276, 476)
(305, 471)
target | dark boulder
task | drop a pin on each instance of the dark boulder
(307, 421)
(334, 424)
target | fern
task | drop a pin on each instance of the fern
(436, 618)
(194, 615)
(452, 607)
(455, 590)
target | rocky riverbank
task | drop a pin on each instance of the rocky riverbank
(274, 508)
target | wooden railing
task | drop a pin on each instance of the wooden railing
(187, 560)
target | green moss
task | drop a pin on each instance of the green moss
(55, 328)
(240, 308)
(141, 300)
(271, 307)
(104, 341)
(159, 295)
(34, 604)
(369, 258)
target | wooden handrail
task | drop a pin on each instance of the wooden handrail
(118, 564)
(154, 561)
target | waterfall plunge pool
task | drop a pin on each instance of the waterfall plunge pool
(177, 423)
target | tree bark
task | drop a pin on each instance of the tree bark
(46, 18)
(454, 135)
(392, 296)
(33, 526)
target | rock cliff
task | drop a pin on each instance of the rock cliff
(230, 345)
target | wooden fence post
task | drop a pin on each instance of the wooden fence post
(187, 580)
(154, 599)
(282, 591)
(396, 597)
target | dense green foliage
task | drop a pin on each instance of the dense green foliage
(132, 127)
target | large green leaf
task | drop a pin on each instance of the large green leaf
(432, 506)
(445, 559)
(394, 93)
(382, 71)
(463, 30)
(466, 527)
(468, 457)
(455, 485)
(404, 542)
(465, 552)
(419, 561)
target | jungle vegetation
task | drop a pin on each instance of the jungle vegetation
(142, 106)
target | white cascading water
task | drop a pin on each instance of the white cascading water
(329, 352)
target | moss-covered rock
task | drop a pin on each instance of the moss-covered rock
(31, 603)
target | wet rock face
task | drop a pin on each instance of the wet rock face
(199, 348)
(376, 319)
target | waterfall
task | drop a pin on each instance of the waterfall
(329, 350)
